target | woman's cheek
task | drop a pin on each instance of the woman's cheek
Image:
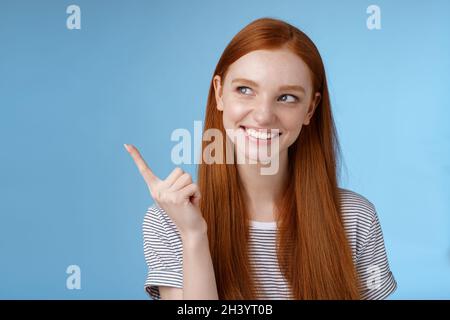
(292, 118)
(236, 109)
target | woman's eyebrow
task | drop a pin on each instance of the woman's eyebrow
(292, 87)
(254, 84)
(246, 81)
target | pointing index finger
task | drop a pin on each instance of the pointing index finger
(148, 175)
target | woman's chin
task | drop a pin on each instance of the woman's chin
(254, 158)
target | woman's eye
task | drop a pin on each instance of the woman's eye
(285, 98)
(243, 90)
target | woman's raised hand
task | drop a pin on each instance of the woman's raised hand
(177, 195)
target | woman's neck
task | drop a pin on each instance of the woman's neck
(261, 191)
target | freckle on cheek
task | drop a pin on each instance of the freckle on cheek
(236, 114)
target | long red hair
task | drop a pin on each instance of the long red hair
(313, 252)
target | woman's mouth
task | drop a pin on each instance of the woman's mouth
(261, 134)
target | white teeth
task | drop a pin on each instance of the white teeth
(260, 134)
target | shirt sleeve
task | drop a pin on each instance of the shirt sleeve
(376, 279)
(162, 251)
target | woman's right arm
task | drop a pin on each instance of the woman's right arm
(199, 282)
(180, 199)
(170, 293)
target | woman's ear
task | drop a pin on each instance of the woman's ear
(218, 90)
(314, 103)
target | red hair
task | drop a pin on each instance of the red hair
(313, 252)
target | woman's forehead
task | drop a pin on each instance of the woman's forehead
(271, 68)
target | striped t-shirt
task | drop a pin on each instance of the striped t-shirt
(164, 254)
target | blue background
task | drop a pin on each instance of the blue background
(137, 70)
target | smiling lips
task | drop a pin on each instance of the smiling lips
(261, 134)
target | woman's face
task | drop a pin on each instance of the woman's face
(266, 89)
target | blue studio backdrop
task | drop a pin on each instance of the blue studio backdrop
(134, 71)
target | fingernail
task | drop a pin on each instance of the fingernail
(126, 147)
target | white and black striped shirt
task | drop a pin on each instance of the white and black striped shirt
(164, 256)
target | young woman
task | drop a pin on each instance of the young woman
(239, 234)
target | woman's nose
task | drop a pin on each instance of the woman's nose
(263, 113)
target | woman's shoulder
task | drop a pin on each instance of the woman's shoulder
(162, 250)
(365, 238)
(158, 222)
(359, 216)
(355, 206)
